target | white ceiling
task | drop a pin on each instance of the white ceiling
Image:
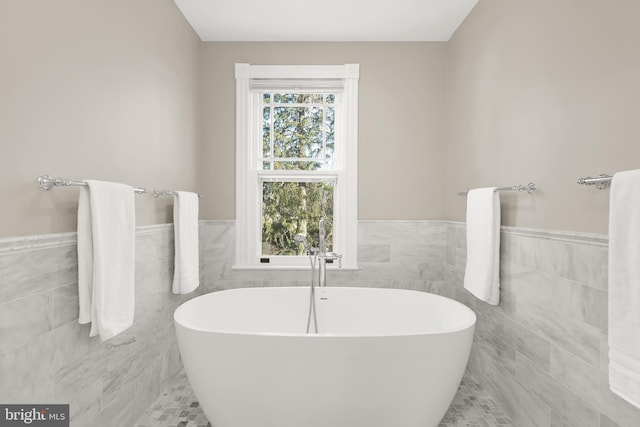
(325, 20)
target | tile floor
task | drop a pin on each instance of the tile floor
(177, 406)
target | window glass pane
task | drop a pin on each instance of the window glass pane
(329, 165)
(266, 132)
(297, 98)
(266, 166)
(289, 208)
(331, 98)
(297, 132)
(330, 123)
(266, 98)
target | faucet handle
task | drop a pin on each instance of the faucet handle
(334, 256)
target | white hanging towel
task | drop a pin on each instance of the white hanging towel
(482, 272)
(624, 286)
(106, 257)
(186, 276)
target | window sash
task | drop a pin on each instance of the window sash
(260, 105)
(325, 179)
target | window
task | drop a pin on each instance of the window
(296, 148)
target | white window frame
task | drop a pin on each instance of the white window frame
(248, 188)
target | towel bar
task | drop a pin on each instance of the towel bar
(46, 182)
(529, 188)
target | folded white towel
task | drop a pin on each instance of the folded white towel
(106, 257)
(624, 286)
(186, 276)
(85, 256)
(482, 272)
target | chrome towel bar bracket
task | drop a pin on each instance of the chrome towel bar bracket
(601, 182)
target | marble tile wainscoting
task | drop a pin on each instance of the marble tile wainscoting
(391, 254)
(542, 353)
(47, 357)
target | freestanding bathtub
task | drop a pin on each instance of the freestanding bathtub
(382, 357)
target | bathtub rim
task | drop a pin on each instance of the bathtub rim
(471, 324)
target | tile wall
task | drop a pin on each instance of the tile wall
(395, 254)
(542, 353)
(47, 357)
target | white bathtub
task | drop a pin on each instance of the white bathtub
(383, 357)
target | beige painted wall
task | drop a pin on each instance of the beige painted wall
(545, 91)
(102, 89)
(541, 91)
(401, 122)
